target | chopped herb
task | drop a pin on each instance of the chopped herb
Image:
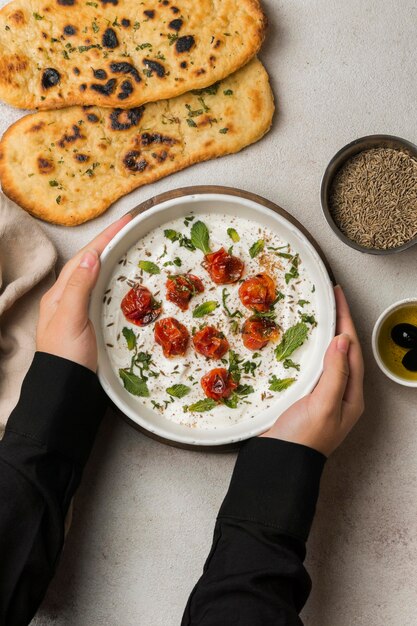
(133, 384)
(65, 54)
(191, 122)
(156, 405)
(308, 319)
(256, 248)
(206, 109)
(301, 303)
(234, 327)
(86, 48)
(292, 339)
(233, 234)
(249, 367)
(280, 384)
(225, 295)
(37, 16)
(244, 390)
(205, 308)
(172, 38)
(95, 26)
(189, 219)
(142, 46)
(313, 289)
(228, 92)
(284, 255)
(90, 170)
(130, 337)
(53, 183)
(200, 237)
(293, 272)
(58, 199)
(136, 26)
(149, 267)
(92, 4)
(288, 363)
(195, 113)
(234, 366)
(224, 131)
(279, 296)
(201, 406)
(7, 27)
(178, 391)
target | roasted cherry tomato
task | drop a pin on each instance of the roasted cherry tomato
(218, 384)
(211, 343)
(224, 268)
(181, 288)
(258, 292)
(257, 331)
(172, 336)
(140, 307)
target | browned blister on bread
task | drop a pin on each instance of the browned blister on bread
(121, 53)
(69, 166)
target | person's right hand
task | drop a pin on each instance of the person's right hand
(323, 418)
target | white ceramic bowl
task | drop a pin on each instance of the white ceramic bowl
(375, 336)
(317, 344)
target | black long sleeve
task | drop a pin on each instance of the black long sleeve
(254, 574)
(45, 446)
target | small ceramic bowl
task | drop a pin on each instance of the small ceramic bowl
(375, 341)
(339, 159)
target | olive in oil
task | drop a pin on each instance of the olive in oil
(391, 353)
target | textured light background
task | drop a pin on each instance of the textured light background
(145, 513)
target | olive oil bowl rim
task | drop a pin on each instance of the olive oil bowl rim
(375, 337)
(338, 160)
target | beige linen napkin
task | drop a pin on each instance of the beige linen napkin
(27, 260)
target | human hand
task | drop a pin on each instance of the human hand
(63, 327)
(322, 419)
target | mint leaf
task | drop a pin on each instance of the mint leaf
(130, 337)
(133, 384)
(201, 406)
(234, 366)
(171, 234)
(293, 272)
(233, 234)
(301, 303)
(280, 384)
(178, 390)
(148, 266)
(292, 339)
(200, 237)
(204, 309)
(256, 248)
(308, 319)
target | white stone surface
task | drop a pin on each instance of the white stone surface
(145, 512)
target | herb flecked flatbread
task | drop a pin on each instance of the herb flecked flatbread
(121, 53)
(69, 166)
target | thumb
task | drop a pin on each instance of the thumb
(76, 295)
(332, 384)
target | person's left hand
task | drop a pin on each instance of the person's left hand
(64, 328)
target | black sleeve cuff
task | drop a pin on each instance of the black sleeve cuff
(275, 483)
(60, 407)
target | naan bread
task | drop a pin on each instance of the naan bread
(121, 53)
(68, 166)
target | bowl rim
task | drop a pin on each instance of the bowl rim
(328, 178)
(375, 336)
(163, 202)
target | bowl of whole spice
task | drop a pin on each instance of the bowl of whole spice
(369, 194)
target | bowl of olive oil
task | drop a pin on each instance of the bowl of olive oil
(394, 342)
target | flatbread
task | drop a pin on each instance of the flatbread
(121, 53)
(69, 166)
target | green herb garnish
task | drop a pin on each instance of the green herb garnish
(302, 303)
(133, 384)
(225, 295)
(201, 406)
(37, 16)
(308, 319)
(205, 308)
(149, 267)
(292, 339)
(224, 131)
(256, 248)
(280, 384)
(228, 92)
(288, 363)
(233, 234)
(53, 183)
(234, 366)
(178, 391)
(293, 271)
(130, 337)
(200, 237)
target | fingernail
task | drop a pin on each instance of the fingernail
(343, 342)
(89, 259)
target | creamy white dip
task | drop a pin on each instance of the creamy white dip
(299, 299)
